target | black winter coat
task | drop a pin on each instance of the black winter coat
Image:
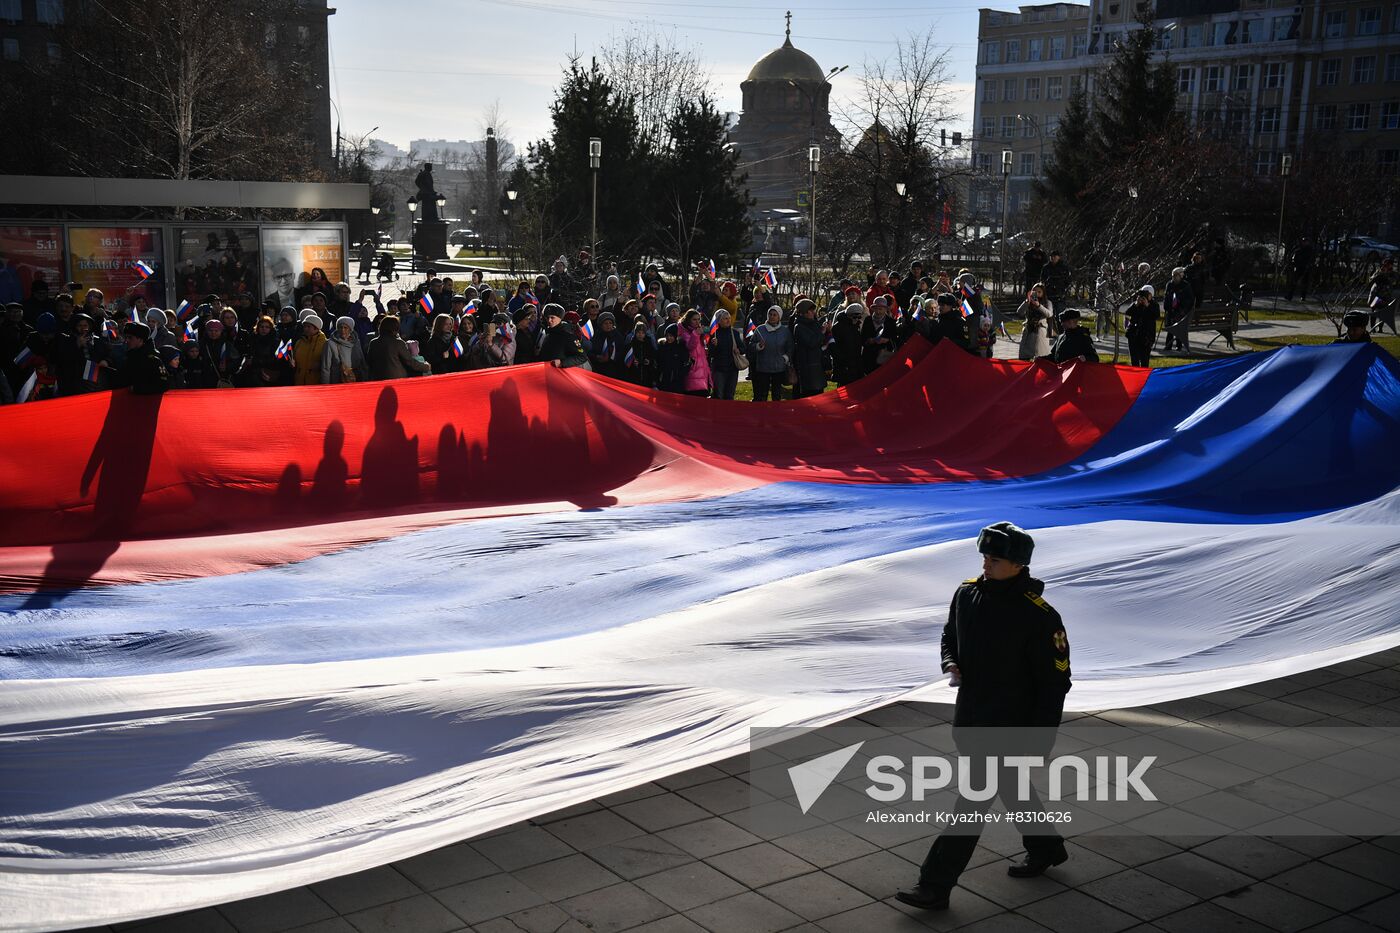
(1011, 651)
(1072, 344)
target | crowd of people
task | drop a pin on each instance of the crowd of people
(725, 330)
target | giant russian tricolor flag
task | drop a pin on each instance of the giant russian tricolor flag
(239, 657)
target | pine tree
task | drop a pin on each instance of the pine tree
(700, 199)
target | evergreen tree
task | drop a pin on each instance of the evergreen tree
(587, 106)
(700, 199)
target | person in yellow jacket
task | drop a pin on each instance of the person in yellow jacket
(308, 350)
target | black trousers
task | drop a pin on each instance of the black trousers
(951, 851)
(1140, 347)
(765, 384)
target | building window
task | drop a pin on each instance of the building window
(989, 91)
(991, 53)
(1008, 89)
(1363, 69)
(1081, 45)
(1264, 163)
(1358, 117)
(1185, 80)
(1214, 80)
(1329, 72)
(989, 127)
(11, 50)
(1222, 34)
(984, 201)
(1390, 115)
(1165, 39)
(1235, 122)
(1076, 84)
(1368, 22)
(1268, 119)
(1273, 74)
(1195, 37)
(55, 52)
(1021, 201)
(984, 162)
(1388, 161)
(49, 12)
(1254, 30)
(1050, 126)
(1057, 49)
(1244, 76)
(1334, 24)
(1033, 47)
(1028, 163)
(1013, 51)
(1055, 88)
(1325, 117)
(11, 11)
(1032, 89)
(1008, 127)
(1392, 64)
(1283, 28)
(1028, 127)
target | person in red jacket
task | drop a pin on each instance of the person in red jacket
(881, 287)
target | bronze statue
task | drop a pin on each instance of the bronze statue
(427, 197)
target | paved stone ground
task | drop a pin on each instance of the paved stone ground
(681, 855)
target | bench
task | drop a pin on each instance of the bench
(1223, 317)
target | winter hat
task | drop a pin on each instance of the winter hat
(1356, 318)
(880, 301)
(313, 319)
(344, 322)
(306, 313)
(552, 310)
(1069, 314)
(1151, 292)
(290, 309)
(46, 324)
(1006, 541)
(155, 317)
(571, 316)
(136, 329)
(607, 316)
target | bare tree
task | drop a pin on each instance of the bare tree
(658, 73)
(204, 102)
(895, 118)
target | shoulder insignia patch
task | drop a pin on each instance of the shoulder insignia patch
(1035, 598)
(972, 580)
(1061, 641)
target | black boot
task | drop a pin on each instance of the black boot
(1033, 866)
(923, 896)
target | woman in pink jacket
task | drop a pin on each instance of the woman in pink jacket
(697, 378)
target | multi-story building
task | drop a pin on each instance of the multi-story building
(296, 41)
(1029, 63)
(1284, 77)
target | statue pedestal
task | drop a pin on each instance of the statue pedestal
(430, 240)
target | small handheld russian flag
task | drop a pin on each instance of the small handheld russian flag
(183, 311)
(426, 303)
(191, 332)
(284, 350)
(753, 326)
(456, 349)
(132, 316)
(630, 358)
(23, 357)
(1378, 302)
(641, 286)
(109, 328)
(757, 266)
(714, 325)
(143, 269)
(966, 308)
(90, 371)
(771, 278)
(713, 274)
(587, 329)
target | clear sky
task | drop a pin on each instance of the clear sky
(429, 69)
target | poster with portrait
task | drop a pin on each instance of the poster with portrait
(29, 254)
(221, 261)
(289, 254)
(114, 259)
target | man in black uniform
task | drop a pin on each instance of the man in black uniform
(142, 370)
(562, 345)
(1005, 649)
(1355, 322)
(1074, 342)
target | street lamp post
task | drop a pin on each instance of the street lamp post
(814, 160)
(412, 233)
(595, 159)
(1285, 167)
(901, 189)
(511, 195)
(1005, 207)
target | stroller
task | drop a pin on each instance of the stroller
(385, 272)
